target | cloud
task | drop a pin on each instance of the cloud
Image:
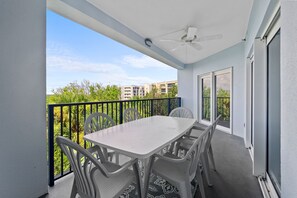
(70, 63)
(64, 66)
(60, 60)
(143, 62)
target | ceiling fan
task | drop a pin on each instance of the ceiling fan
(190, 38)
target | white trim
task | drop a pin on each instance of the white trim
(200, 91)
(270, 187)
(273, 30)
(274, 17)
(226, 71)
(263, 187)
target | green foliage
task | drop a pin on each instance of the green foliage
(154, 93)
(84, 92)
(223, 104)
(69, 119)
(172, 92)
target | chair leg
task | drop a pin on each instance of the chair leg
(200, 183)
(185, 190)
(211, 157)
(74, 190)
(206, 169)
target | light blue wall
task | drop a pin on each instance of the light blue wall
(231, 57)
(185, 86)
(288, 98)
(23, 166)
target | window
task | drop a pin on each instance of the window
(215, 98)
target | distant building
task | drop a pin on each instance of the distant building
(128, 92)
(164, 87)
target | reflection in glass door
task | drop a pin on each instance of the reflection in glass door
(206, 98)
(273, 128)
(222, 93)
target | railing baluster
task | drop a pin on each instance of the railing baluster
(51, 151)
(77, 127)
(121, 112)
(61, 133)
(145, 106)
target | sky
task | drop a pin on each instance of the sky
(76, 53)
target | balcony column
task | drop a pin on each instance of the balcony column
(288, 98)
(23, 167)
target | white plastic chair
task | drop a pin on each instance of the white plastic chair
(97, 179)
(96, 122)
(180, 171)
(207, 154)
(181, 112)
(131, 114)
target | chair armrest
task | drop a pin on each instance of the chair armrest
(96, 149)
(123, 168)
(169, 158)
(190, 136)
(195, 126)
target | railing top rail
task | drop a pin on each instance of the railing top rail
(103, 102)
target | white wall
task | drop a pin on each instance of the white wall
(288, 98)
(23, 168)
(185, 86)
(231, 57)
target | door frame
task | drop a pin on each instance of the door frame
(212, 75)
(269, 37)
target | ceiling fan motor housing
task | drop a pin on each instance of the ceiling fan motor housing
(191, 33)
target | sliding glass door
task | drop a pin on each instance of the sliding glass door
(273, 114)
(215, 98)
(223, 93)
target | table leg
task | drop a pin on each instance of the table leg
(145, 171)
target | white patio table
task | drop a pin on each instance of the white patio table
(142, 138)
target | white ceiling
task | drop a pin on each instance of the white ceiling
(155, 19)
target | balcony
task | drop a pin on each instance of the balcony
(245, 31)
(233, 177)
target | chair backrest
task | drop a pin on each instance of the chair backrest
(193, 154)
(181, 112)
(83, 165)
(98, 121)
(213, 128)
(131, 114)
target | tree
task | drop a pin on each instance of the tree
(84, 92)
(172, 92)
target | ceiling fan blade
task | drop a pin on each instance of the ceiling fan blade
(169, 40)
(176, 48)
(195, 46)
(210, 37)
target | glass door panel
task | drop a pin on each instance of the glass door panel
(222, 100)
(252, 103)
(273, 131)
(206, 98)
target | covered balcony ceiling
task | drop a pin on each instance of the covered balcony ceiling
(217, 25)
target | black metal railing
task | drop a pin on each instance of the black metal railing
(68, 120)
(222, 108)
